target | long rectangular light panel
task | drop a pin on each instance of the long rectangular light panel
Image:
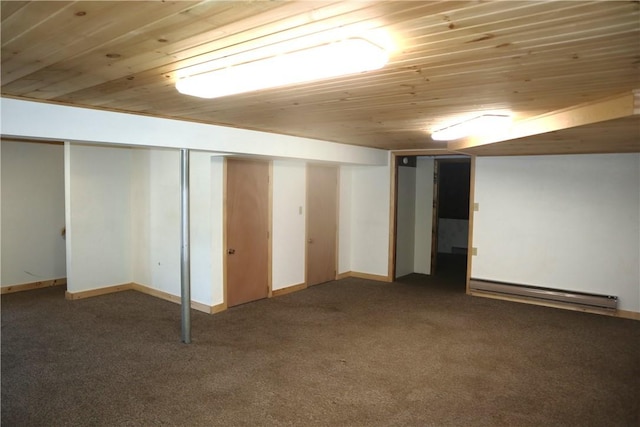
(349, 56)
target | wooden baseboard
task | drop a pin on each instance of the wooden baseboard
(289, 289)
(614, 313)
(145, 290)
(356, 274)
(626, 314)
(344, 275)
(172, 298)
(97, 292)
(218, 308)
(33, 285)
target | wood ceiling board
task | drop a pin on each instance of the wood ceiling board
(452, 58)
(8, 8)
(528, 29)
(75, 32)
(615, 107)
(139, 48)
(180, 50)
(613, 136)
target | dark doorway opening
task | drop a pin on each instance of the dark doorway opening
(451, 216)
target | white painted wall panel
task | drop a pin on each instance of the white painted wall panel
(164, 220)
(289, 212)
(344, 220)
(98, 207)
(370, 191)
(424, 215)
(140, 214)
(33, 248)
(155, 230)
(565, 222)
(156, 222)
(201, 232)
(405, 220)
(218, 252)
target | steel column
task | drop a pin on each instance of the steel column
(185, 274)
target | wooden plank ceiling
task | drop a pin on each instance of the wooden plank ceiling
(451, 59)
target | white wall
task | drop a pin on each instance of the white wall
(414, 218)
(564, 222)
(140, 213)
(118, 198)
(405, 220)
(370, 198)
(155, 198)
(145, 195)
(156, 209)
(344, 220)
(98, 216)
(33, 248)
(424, 215)
(142, 201)
(29, 119)
(205, 183)
(127, 189)
(218, 251)
(289, 213)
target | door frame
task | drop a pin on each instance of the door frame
(225, 300)
(306, 221)
(435, 220)
(393, 203)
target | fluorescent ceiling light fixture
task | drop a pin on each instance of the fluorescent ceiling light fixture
(349, 56)
(483, 124)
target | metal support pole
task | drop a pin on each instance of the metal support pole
(185, 282)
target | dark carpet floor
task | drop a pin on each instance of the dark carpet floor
(418, 352)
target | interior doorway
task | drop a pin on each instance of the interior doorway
(452, 180)
(247, 231)
(431, 215)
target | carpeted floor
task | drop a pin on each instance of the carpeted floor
(418, 352)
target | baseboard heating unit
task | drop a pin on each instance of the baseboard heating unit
(576, 299)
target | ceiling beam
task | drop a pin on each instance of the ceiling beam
(616, 107)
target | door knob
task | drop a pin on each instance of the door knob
(231, 251)
(310, 240)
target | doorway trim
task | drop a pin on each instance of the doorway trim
(393, 203)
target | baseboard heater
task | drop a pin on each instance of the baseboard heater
(578, 299)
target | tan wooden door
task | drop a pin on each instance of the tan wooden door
(247, 231)
(322, 223)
